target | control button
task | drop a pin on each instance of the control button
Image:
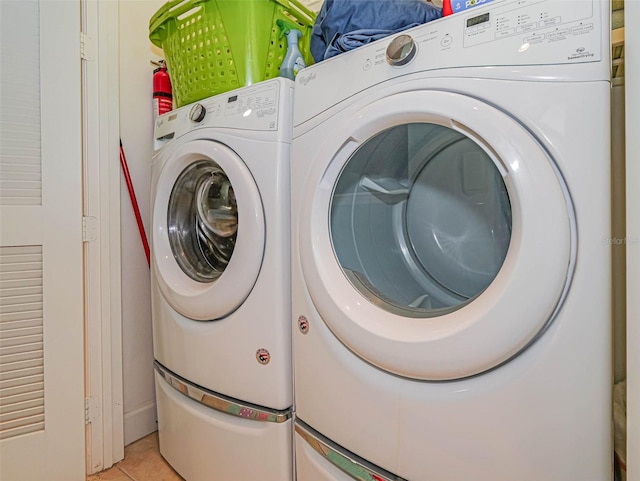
(446, 40)
(401, 51)
(197, 113)
(366, 65)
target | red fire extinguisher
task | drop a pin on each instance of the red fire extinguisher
(162, 92)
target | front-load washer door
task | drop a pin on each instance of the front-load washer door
(208, 230)
(437, 239)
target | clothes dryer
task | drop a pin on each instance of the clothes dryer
(221, 285)
(451, 263)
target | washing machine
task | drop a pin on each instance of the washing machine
(221, 273)
(451, 251)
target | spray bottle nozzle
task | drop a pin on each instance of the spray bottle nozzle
(286, 27)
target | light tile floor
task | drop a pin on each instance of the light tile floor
(142, 462)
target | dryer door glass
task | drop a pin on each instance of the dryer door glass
(202, 221)
(420, 220)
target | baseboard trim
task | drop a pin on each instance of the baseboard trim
(140, 422)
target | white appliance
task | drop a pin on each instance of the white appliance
(451, 252)
(221, 303)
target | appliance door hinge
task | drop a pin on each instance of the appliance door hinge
(87, 47)
(89, 228)
(91, 409)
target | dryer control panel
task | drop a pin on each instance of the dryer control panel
(529, 22)
(541, 40)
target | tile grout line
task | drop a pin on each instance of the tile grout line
(125, 473)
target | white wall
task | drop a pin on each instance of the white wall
(632, 83)
(136, 131)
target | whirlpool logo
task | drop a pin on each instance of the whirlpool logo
(304, 80)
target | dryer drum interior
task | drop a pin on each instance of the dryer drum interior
(420, 220)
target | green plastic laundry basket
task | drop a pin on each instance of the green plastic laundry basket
(213, 46)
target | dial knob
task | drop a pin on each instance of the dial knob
(401, 50)
(197, 113)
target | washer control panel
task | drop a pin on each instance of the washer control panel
(258, 108)
(251, 108)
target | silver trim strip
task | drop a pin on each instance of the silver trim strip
(352, 465)
(220, 402)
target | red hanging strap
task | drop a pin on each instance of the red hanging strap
(134, 203)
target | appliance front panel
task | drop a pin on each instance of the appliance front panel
(548, 411)
(208, 230)
(320, 459)
(204, 444)
(421, 235)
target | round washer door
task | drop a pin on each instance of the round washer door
(208, 230)
(437, 240)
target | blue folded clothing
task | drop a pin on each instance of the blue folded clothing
(343, 25)
(357, 38)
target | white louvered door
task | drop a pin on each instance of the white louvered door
(41, 264)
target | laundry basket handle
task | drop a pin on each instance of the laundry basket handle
(169, 11)
(303, 12)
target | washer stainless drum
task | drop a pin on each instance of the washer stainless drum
(448, 220)
(221, 285)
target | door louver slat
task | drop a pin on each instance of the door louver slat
(21, 341)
